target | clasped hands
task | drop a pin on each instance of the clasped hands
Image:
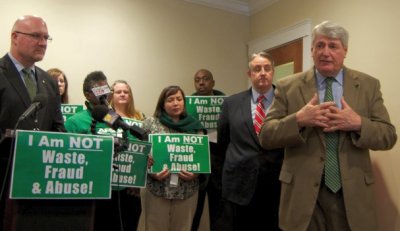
(183, 174)
(328, 116)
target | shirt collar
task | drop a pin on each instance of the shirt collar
(269, 95)
(321, 79)
(18, 65)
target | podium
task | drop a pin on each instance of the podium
(49, 215)
(48, 209)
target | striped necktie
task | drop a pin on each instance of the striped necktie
(332, 169)
(29, 82)
(259, 115)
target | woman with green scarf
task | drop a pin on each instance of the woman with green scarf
(169, 201)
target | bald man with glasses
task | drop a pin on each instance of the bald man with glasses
(20, 81)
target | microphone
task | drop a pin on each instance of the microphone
(102, 114)
(102, 93)
(38, 102)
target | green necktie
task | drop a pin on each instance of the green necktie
(332, 170)
(29, 83)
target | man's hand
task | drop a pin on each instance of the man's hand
(314, 114)
(344, 120)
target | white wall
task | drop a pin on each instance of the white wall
(149, 43)
(155, 43)
(374, 49)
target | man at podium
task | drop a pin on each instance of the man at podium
(29, 97)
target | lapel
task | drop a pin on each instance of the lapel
(245, 108)
(351, 88)
(308, 89)
(14, 78)
(41, 81)
(42, 89)
(351, 93)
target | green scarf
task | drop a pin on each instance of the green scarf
(187, 124)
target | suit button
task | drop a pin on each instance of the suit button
(316, 184)
(322, 158)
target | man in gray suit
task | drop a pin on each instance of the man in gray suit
(29, 37)
(249, 174)
(300, 121)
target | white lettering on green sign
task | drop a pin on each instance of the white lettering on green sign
(180, 148)
(169, 139)
(212, 109)
(50, 156)
(187, 167)
(51, 172)
(136, 147)
(180, 158)
(56, 187)
(124, 179)
(218, 101)
(192, 139)
(46, 142)
(85, 142)
(68, 109)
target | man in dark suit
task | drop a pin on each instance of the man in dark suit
(302, 121)
(29, 39)
(250, 174)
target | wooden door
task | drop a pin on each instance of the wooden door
(288, 58)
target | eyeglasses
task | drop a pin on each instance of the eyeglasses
(36, 36)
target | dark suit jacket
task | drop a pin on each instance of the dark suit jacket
(14, 99)
(304, 160)
(244, 158)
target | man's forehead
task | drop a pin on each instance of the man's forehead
(259, 61)
(202, 74)
(100, 83)
(326, 38)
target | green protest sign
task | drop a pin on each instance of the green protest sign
(205, 108)
(69, 110)
(130, 165)
(119, 132)
(133, 122)
(50, 165)
(180, 152)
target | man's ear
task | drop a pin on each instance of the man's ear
(86, 94)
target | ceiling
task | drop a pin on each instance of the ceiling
(246, 7)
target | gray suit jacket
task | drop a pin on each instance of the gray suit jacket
(242, 154)
(303, 164)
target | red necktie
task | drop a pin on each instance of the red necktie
(259, 115)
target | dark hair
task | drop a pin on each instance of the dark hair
(207, 72)
(91, 79)
(165, 93)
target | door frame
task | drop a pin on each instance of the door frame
(285, 35)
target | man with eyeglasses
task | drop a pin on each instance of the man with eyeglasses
(20, 81)
(249, 173)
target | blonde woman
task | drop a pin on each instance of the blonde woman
(121, 100)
